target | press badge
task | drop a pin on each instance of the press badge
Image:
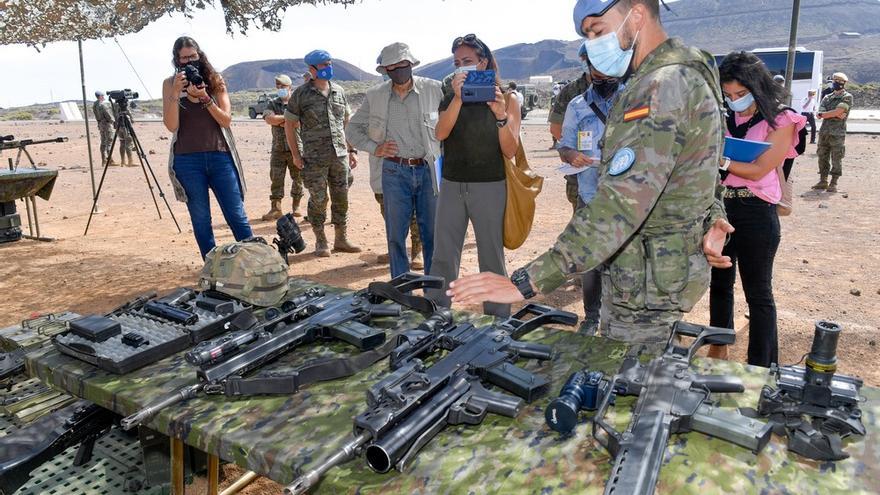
(585, 140)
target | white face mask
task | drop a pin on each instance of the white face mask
(467, 68)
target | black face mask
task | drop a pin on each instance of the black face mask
(400, 75)
(606, 87)
(836, 86)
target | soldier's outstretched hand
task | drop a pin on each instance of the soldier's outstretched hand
(713, 244)
(484, 287)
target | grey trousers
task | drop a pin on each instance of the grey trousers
(482, 204)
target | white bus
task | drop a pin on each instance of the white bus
(807, 70)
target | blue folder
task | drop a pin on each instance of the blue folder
(743, 150)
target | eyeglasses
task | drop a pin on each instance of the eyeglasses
(191, 58)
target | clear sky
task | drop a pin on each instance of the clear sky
(355, 34)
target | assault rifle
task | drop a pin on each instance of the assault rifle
(24, 450)
(671, 399)
(814, 407)
(224, 362)
(412, 404)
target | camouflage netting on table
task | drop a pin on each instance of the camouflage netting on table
(277, 436)
(37, 22)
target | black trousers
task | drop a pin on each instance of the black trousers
(811, 119)
(752, 247)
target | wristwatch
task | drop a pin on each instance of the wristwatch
(501, 123)
(725, 165)
(523, 283)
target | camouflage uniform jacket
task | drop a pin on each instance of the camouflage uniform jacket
(321, 120)
(836, 127)
(658, 189)
(566, 94)
(279, 141)
(103, 113)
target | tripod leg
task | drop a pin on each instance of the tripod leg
(101, 184)
(145, 163)
(141, 158)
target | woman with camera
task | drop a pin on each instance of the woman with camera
(476, 138)
(752, 190)
(196, 108)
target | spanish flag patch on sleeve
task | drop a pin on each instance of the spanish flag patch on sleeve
(636, 113)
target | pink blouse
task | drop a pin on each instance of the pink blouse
(768, 187)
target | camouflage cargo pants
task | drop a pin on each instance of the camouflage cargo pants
(280, 164)
(106, 137)
(831, 151)
(571, 191)
(323, 175)
(413, 226)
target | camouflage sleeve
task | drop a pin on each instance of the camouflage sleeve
(557, 112)
(294, 109)
(823, 106)
(847, 103)
(717, 211)
(624, 201)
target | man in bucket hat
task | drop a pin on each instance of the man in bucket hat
(396, 124)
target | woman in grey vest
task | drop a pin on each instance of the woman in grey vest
(196, 108)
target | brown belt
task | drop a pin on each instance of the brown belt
(412, 162)
(738, 192)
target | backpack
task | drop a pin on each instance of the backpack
(250, 271)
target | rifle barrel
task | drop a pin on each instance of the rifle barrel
(305, 482)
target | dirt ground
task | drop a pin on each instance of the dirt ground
(830, 245)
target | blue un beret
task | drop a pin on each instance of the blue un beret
(590, 8)
(316, 57)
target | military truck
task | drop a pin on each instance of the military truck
(530, 98)
(259, 107)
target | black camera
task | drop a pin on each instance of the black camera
(289, 237)
(122, 95)
(192, 75)
(583, 391)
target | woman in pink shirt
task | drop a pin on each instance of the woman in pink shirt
(752, 190)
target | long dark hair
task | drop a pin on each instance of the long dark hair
(748, 70)
(482, 50)
(213, 81)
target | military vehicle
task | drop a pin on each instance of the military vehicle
(530, 98)
(259, 107)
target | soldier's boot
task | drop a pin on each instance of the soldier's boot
(832, 188)
(130, 159)
(383, 259)
(295, 206)
(322, 250)
(416, 257)
(103, 158)
(822, 184)
(274, 212)
(341, 244)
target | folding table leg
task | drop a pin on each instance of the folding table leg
(177, 466)
(213, 474)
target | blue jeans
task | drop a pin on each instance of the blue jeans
(197, 172)
(407, 189)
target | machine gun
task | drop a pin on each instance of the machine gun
(671, 399)
(22, 451)
(814, 407)
(412, 404)
(9, 143)
(225, 361)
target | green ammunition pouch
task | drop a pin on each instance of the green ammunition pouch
(250, 271)
(661, 269)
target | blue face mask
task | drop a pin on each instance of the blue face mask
(326, 73)
(607, 56)
(283, 92)
(740, 105)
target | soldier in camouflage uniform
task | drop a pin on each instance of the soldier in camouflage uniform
(317, 114)
(834, 111)
(280, 161)
(557, 116)
(126, 143)
(103, 113)
(658, 184)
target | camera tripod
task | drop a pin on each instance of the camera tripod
(124, 119)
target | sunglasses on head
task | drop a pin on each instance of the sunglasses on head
(470, 40)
